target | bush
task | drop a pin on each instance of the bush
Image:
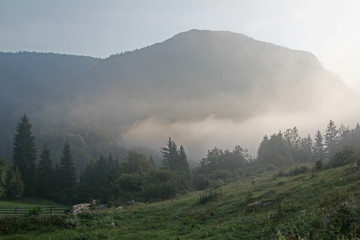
(200, 182)
(156, 192)
(319, 165)
(294, 171)
(208, 197)
(35, 211)
(342, 221)
(332, 199)
(298, 171)
(23, 224)
(342, 158)
(220, 175)
(281, 174)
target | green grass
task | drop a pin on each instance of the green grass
(29, 203)
(297, 209)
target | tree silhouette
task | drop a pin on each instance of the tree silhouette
(45, 174)
(67, 176)
(24, 155)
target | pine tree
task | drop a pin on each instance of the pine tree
(183, 162)
(331, 138)
(24, 155)
(56, 190)
(170, 155)
(174, 159)
(14, 184)
(275, 151)
(306, 149)
(292, 137)
(45, 174)
(152, 162)
(3, 176)
(318, 147)
(67, 175)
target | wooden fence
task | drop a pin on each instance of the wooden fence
(45, 210)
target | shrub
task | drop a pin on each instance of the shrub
(156, 192)
(342, 221)
(220, 175)
(281, 174)
(294, 171)
(342, 158)
(35, 211)
(208, 197)
(200, 182)
(23, 224)
(298, 170)
(319, 165)
(332, 199)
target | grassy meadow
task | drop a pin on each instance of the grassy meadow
(314, 205)
(29, 203)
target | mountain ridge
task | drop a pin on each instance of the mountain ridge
(192, 77)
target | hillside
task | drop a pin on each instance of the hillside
(315, 205)
(174, 88)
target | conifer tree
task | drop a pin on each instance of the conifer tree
(170, 155)
(3, 176)
(183, 162)
(45, 174)
(24, 155)
(14, 184)
(67, 175)
(275, 151)
(306, 149)
(152, 162)
(318, 147)
(174, 159)
(331, 139)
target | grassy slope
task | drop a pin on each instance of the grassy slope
(232, 215)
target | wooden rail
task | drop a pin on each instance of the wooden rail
(45, 210)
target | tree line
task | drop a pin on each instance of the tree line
(25, 178)
(288, 147)
(106, 178)
(136, 177)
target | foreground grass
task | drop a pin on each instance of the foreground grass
(259, 207)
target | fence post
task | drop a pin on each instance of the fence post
(51, 210)
(15, 211)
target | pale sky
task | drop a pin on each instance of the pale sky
(328, 28)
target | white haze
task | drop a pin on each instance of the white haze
(201, 135)
(235, 101)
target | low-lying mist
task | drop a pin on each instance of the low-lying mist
(201, 135)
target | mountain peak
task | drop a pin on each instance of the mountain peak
(194, 75)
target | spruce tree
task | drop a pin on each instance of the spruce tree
(67, 176)
(45, 174)
(170, 155)
(318, 148)
(331, 139)
(3, 176)
(183, 162)
(24, 155)
(306, 149)
(14, 184)
(152, 162)
(174, 159)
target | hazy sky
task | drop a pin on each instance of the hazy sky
(328, 28)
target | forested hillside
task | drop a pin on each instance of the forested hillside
(104, 106)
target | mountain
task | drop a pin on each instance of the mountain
(174, 88)
(218, 67)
